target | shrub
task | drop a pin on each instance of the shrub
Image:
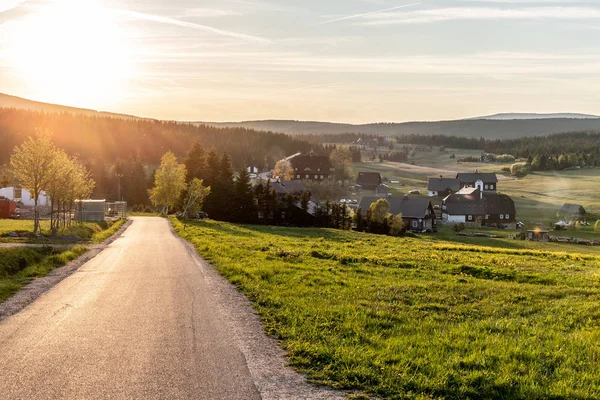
(520, 169)
(459, 227)
(597, 226)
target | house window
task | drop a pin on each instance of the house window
(321, 176)
(318, 169)
(501, 216)
(491, 187)
(470, 218)
(307, 176)
(487, 187)
(261, 215)
(507, 216)
(316, 176)
(415, 224)
(17, 193)
(283, 215)
(487, 216)
(298, 176)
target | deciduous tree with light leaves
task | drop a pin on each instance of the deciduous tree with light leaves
(33, 164)
(169, 182)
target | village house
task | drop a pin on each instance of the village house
(442, 187)
(311, 166)
(484, 181)
(368, 180)
(23, 196)
(471, 205)
(418, 214)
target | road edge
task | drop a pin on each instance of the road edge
(265, 360)
(34, 289)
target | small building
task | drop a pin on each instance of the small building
(24, 196)
(471, 205)
(442, 187)
(90, 210)
(418, 214)
(368, 180)
(573, 211)
(311, 166)
(484, 181)
(8, 207)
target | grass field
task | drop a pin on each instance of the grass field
(95, 231)
(413, 318)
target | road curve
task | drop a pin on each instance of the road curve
(138, 321)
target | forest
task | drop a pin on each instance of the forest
(106, 139)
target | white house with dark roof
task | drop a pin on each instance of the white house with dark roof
(417, 213)
(484, 181)
(471, 205)
(23, 196)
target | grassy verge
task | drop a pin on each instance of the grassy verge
(95, 231)
(19, 266)
(415, 318)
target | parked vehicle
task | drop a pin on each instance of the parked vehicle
(415, 191)
(202, 215)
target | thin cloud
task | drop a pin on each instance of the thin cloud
(171, 21)
(369, 13)
(482, 13)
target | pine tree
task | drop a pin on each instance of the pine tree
(244, 208)
(195, 162)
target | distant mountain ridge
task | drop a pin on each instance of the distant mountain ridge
(497, 126)
(508, 116)
(486, 128)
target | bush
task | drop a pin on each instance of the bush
(459, 227)
(597, 226)
(505, 158)
(520, 169)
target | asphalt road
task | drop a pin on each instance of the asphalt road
(138, 321)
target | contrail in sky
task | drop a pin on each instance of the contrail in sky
(369, 13)
(191, 25)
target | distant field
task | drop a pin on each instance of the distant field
(538, 196)
(413, 318)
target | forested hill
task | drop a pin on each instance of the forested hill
(489, 129)
(105, 139)
(8, 101)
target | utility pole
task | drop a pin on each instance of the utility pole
(119, 176)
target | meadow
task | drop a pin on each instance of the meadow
(417, 318)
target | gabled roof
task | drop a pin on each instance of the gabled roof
(409, 207)
(470, 202)
(368, 178)
(312, 163)
(291, 187)
(570, 208)
(442, 184)
(475, 176)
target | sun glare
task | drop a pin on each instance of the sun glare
(72, 52)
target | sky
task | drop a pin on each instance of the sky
(353, 61)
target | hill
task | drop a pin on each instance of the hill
(486, 128)
(8, 101)
(417, 318)
(508, 116)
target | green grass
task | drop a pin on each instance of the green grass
(413, 318)
(95, 231)
(19, 266)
